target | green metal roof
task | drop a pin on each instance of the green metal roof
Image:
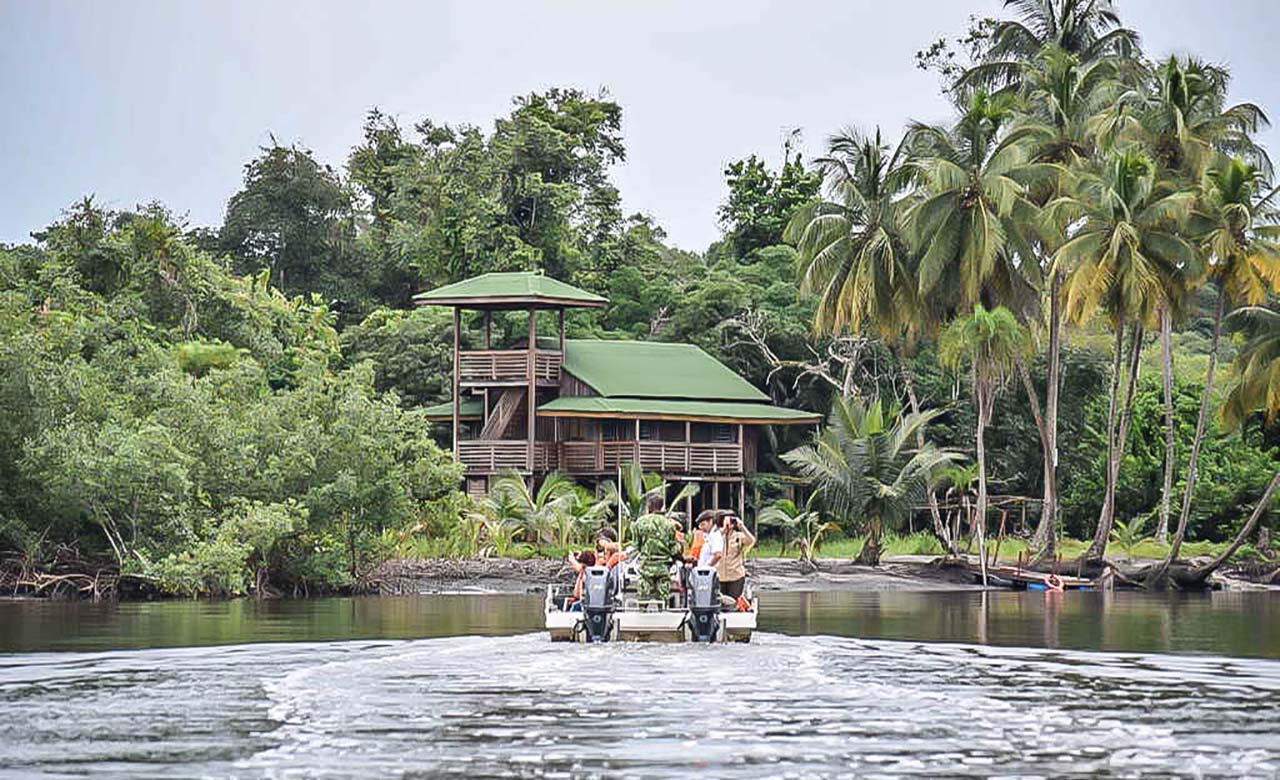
(726, 411)
(652, 369)
(471, 408)
(509, 289)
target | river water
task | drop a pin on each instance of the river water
(835, 685)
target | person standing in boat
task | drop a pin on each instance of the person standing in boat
(655, 539)
(712, 548)
(732, 566)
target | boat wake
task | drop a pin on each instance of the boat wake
(521, 707)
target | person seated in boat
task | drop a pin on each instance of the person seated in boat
(655, 538)
(580, 563)
(608, 551)
(732, 564)
(693, 553)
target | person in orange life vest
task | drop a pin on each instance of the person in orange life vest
(580, 563)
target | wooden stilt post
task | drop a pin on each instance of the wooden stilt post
(457, 376)
(533, 383)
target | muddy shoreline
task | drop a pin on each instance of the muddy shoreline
(409, 577)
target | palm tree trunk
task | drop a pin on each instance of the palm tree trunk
(1170, 447)
(939, 527)
(1158, 577)
(1045, 541)
(984, 415)
(1264, 504)
(1119, 436)
(1113, 402)
(869, 555)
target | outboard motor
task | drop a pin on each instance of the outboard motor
(704, 604)
(598, 603)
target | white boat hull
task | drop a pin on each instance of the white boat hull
(632, 624)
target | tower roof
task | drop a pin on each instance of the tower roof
(509, 290)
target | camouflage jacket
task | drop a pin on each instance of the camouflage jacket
(655, 538)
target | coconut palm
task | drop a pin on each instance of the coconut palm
(1240, 238)
(865, 470)
(852, 254)
(1088, 30)
(500, 515)
(854, 257)
(968, 223)
(991, 344)
(543, 513)
(1061, 98)
(1256, 367)
(1181, 115)
(1123, 252)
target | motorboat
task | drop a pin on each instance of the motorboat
(610, 611)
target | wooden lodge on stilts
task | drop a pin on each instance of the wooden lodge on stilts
(586, 408)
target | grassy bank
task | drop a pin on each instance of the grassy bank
(919, 543)
(1009, 549)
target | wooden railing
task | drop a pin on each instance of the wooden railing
(491, 456)
(583, 457)
(508, 365)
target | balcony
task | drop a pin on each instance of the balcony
(492, 456)
(587, 457)
(508, 366)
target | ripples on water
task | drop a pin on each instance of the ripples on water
(520, 707)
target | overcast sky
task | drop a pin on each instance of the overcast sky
(167, 100)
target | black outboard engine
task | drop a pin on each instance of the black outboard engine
(704, 604)
(598, 603)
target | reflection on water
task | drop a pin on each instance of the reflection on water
(1227, 623)
(783, 706)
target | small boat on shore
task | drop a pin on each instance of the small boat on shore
(609, 612)
(1019, 578)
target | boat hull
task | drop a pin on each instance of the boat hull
(635, 624)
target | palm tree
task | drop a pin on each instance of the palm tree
(1061, 98)
(852, 254)
(968, 223)
(991, 343)
(863, 467)
(803, 526)
(1239, 236)
(854, 257)
(1088, 30)
(1181, 115)
(1257, 366)
(1123, 251)
(545, 513)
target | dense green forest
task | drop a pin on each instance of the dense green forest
(234, 408)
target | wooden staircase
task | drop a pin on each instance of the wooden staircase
(504, 412)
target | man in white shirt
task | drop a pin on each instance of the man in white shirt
(712, 548)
